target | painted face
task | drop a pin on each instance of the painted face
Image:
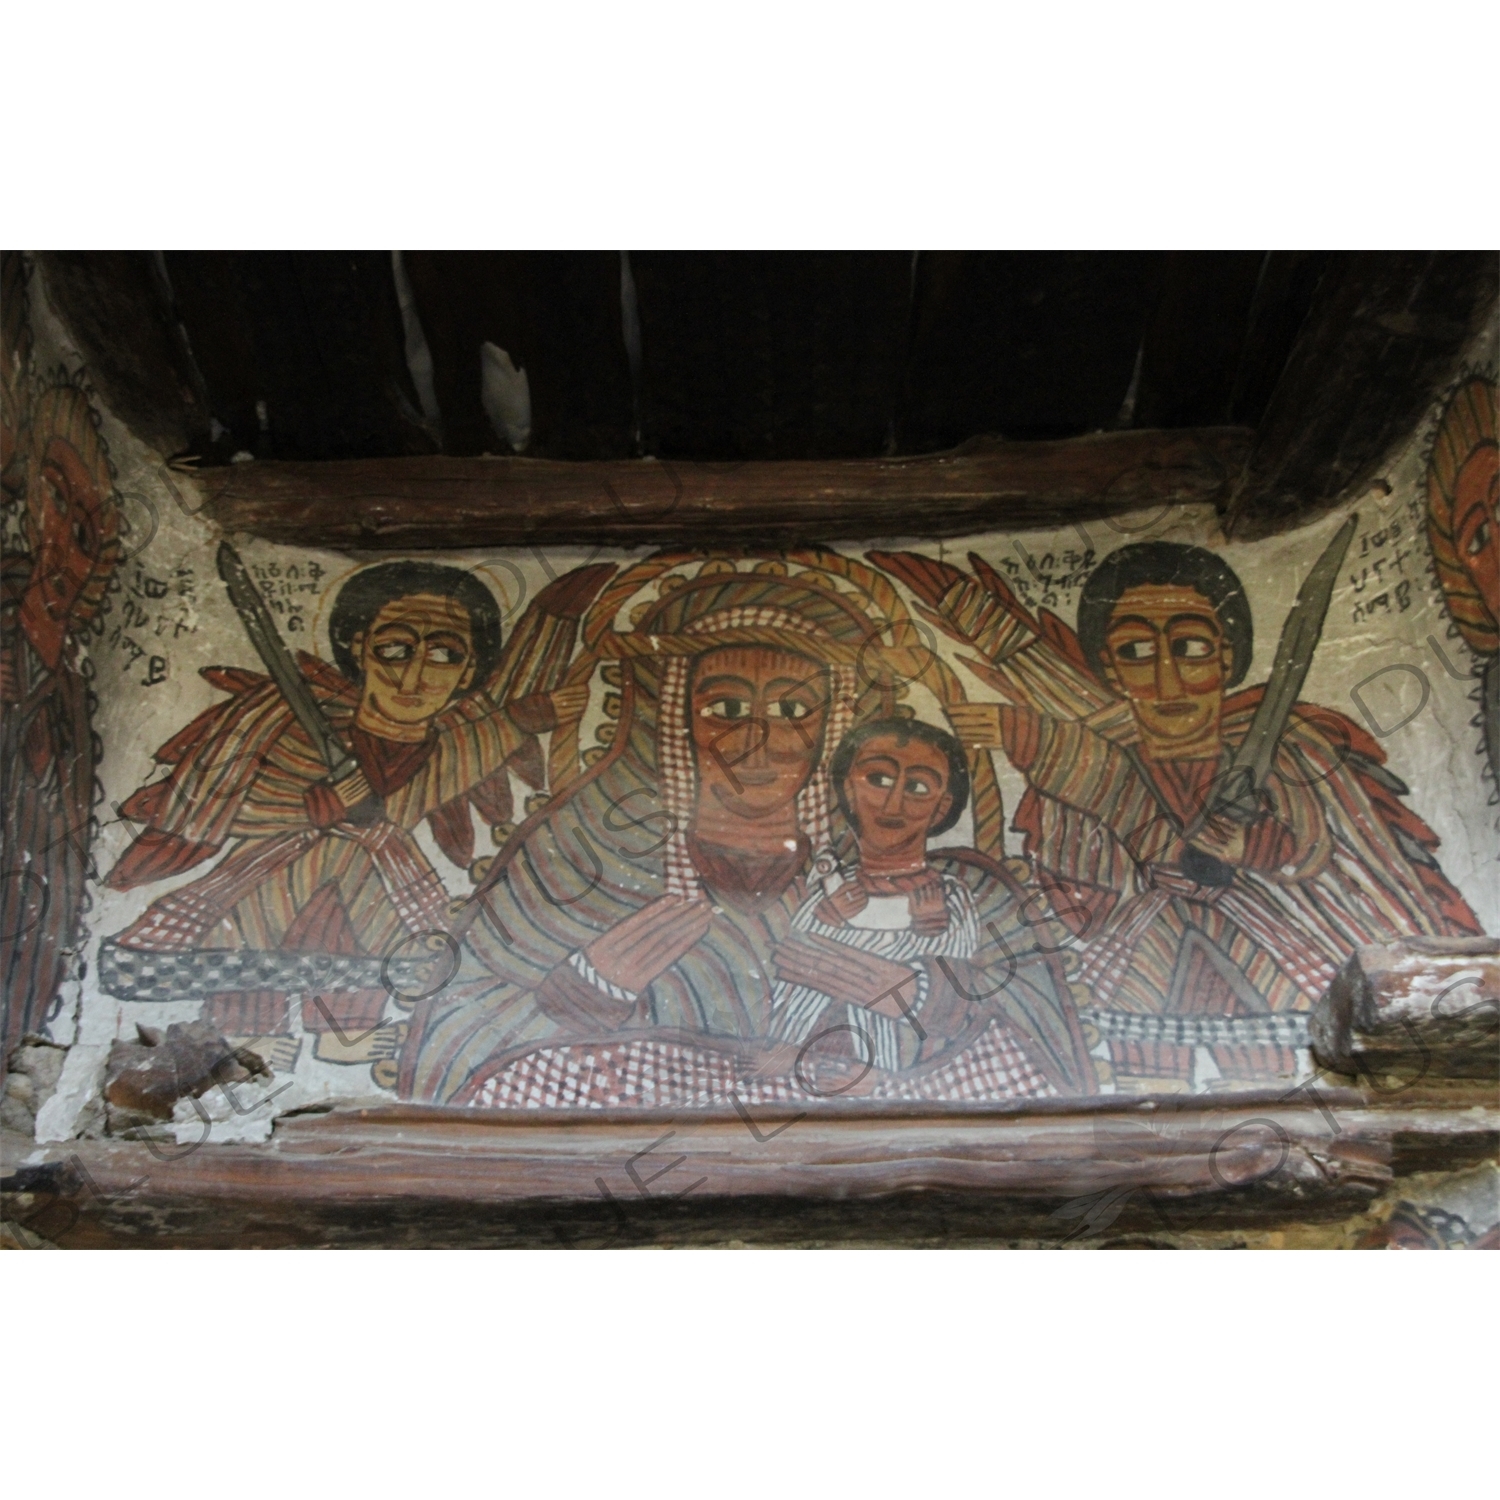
(756, 718)
(896, 793)
(68, 544)
(417, 653)
(1476, 533)
(1166, 651)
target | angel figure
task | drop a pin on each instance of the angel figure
(1203, 938)
(436, 714)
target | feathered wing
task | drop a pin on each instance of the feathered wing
(534, 662)
(1029, 660)
(536, 657)
(215, 758)
(212, 763)
(1346, 770)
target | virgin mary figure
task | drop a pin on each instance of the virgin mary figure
(624, 947)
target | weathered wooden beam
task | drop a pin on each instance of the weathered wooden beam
(411, 504)
(118, 309)
(1384, 333)
(1046, 1170)
(1420, 1008)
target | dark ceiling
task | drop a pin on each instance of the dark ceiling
(301, 355)
(298, 355)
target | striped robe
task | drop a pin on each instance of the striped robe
(1335, 861)
(237, 779)
(801, 1011)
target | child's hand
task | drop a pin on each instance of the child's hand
(847, 974)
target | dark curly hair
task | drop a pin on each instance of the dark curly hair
(367, 593)
(904, 730)
(1165, 563)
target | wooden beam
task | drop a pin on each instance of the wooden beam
(1418, 1008)
(1383, 336)
(117, 308)
(428, 1176)
(412, 504)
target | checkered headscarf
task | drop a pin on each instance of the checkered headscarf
(679, 779)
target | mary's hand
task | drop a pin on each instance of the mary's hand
(647, 942)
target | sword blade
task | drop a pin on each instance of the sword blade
(279, 662)
(1252, 762)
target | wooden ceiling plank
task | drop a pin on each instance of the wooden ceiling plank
(751, 355)
(557, 314)
(1195, 340)
(1023, 344)
(1283, 298)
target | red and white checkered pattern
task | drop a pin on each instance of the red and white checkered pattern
(991, 1068)
(651, 1073)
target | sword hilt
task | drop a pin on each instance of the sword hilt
(1238, 798)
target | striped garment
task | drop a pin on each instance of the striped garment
(238, 775)
(799, 1010)
(48, 753)
(1335, 862)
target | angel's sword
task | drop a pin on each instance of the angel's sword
(290, 682)
(1238, 796)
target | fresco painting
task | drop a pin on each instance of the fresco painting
(1209, 921)
(60, 556)
(781, 869)
(1463, 529)
(1006, 819)
(420, 715)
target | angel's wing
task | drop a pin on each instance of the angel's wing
(1032, 661)
(536, 657)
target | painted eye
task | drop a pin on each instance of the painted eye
(917, 787)
(393, 651)
(726, 708)
(1479, 541)
(789, 708)
(1142, 650)
(882, 779)
(447, 656)
(1192, 648)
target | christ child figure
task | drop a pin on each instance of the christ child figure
(871, 952)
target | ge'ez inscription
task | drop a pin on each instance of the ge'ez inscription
(284, 588)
